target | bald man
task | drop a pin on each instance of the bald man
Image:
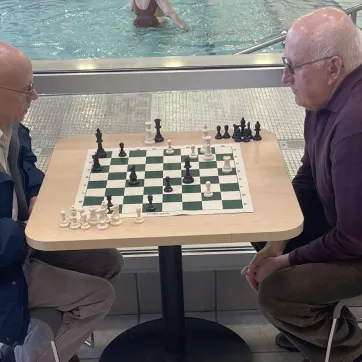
(299, 281)
(77, 283)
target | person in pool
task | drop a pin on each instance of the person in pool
(153, 13)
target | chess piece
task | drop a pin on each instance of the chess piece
(169, 150)
(208, 192)
(109, 202)
(139, 219)
(150, 207)
(149, 133)
(133, 177)
(74, 223)
(208, 156)
(242, 125)
(218, 134)
(122, 152)
(227, 167)
(96, 165)
(115, 217)
(235, 128)
(102, 218)
(226, 132)
(93, 219)
(64, 223)
(257, 136)
(193, 154)
(84, 224)
(100, 151)
(188, 179)
(237, 137)
(247, 135)
(249, 131)
(158, 137)
(205, 133)
(168, 187)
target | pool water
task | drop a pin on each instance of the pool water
(78, 29)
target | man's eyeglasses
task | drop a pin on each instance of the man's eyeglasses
(292, 68)
(28, 92)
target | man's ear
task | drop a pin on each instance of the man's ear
(335, 68)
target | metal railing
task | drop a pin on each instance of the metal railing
(352, 12)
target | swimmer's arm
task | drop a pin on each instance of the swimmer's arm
(169, 12)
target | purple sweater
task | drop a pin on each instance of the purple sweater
(332, 170)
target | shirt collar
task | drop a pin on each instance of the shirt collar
(5, 136)
(340, 96)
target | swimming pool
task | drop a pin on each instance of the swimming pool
(78, 29)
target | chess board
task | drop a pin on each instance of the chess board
(230, 191)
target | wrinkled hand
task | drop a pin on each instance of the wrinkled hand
(31, 204)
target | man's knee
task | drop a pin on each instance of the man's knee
(105, 294)
(115, 264)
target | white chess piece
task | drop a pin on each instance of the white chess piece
(205, 134)
(64, 223)
(169, 150)
(104, 206)
(227, 167)
(115, 217)
(102, 219)
(74, 223)
(139, 219)
(84, 224)
(193, 154)
(208, 156)
(149, 134)
(208, 192)
(93, 219)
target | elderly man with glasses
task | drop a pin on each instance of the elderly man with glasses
(77, 283)
(299, 281)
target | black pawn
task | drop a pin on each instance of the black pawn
(158, 136)
(109, 202)
(235, 128)
(250, 132)
(150, 207)
(257, 136)
(247, 135)
(122, 152)
(218, 134)
(242, 125)
(96, 165)
(100, 150)
(188, 179)
(133, 177)
(226, 133)
(237, 135)
(168, 187)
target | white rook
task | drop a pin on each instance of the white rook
(227, 167)
(149, 133)
(208, 156)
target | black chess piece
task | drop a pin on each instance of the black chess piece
(257, 136)
(247, 135)
(133, 177)
(109, 202)
(218, 134)
(250, 132)
(122, 152)
(235, 128)
(100, 150)
(188, 179)
(150, 207)
(226, 132)
(96, 165)
(168, 187)
(158, 136)
(242, 125)
(237, 134)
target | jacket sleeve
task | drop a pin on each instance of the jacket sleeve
(344, 241)
(13, 246)
(34, 176)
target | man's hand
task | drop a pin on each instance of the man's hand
(31, 204)
(271, 265)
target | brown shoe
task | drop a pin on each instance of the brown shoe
(75, 358)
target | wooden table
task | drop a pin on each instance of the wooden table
(276, 216)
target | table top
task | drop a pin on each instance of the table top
(276, 216)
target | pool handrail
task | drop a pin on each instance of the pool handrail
(352, 12)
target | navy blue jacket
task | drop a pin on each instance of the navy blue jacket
(14, 315)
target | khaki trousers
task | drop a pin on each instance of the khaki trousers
(79, 284)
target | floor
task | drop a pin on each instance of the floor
(54, 117)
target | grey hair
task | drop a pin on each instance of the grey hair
(329, 39)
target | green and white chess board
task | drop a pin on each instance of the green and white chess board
(230, 191)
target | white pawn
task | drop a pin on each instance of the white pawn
(227, 167)
(64, 223)
(102, 219)
(93, 219)
(193, 154)
(84, 224)
(169, 150)
(74, 223)
(208, 192)
(149, 134)
(139, 219)
(115, 218)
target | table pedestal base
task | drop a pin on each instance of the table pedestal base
(206, 341)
